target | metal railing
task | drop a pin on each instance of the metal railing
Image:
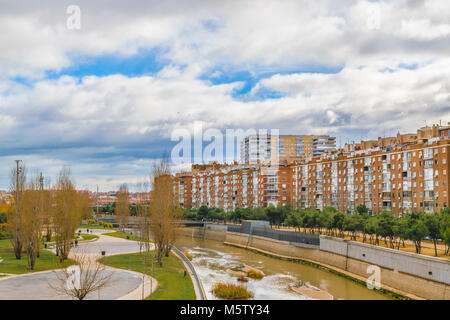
(196, 278)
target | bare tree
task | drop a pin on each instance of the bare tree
(66, 213)
(31, 208)
(162, 209)
(143, 215)
(84, 205)
(15, 223)
(48, 213)
(122, 206)
(87, 276)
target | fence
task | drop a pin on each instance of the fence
(289, 236)
(196, 278)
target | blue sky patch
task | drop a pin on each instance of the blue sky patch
(145, 62)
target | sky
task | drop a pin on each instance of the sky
(103, 91)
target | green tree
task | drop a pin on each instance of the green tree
(338, 222)
(445, 227)
(275, 214)
(371, 227)
(417, 230)
(401, 230)
(385, 225)
(203, 212)
(432, 224)
(362, 209)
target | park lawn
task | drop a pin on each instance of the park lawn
(172, 285)
(93, 226)
(87, 237)
(123, 235)
(46, 261)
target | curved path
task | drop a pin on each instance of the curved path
(124, 284)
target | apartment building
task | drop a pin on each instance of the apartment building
(400, 178)
(269, 148)
(422, 135)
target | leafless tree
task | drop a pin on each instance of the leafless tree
(143, 216)
(66, 213)
(87, 276)
(84, 205)
(31, 208)
(15, 221)
(162, 209)
(122, 206)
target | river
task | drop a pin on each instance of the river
(212, 258)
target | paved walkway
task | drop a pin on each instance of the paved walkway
(124, 284)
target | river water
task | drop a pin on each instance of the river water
(212, 258)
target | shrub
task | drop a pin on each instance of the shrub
(188, 255)
(230, 291)
(254, 274)
(4, 234)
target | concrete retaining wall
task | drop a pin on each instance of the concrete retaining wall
(210, 234)
(418, 265)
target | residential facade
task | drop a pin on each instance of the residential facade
(400, 179)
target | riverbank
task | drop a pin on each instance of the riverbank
(391, 292)
(392, 278)
(213, 260)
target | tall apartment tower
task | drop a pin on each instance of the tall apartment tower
(265, 148)
(256, 148)
(323, 144)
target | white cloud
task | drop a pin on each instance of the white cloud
(107, 127)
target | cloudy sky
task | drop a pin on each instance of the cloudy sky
(105, 98)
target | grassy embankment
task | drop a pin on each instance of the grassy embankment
(46, 261)
(172, 284)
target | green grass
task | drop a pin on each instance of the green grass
(93, 226)
(87, 237)
(46, 261)
(230, 291)
(123, 235)
(255, 274)
(172, 285)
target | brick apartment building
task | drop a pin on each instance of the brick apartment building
(401, 178)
